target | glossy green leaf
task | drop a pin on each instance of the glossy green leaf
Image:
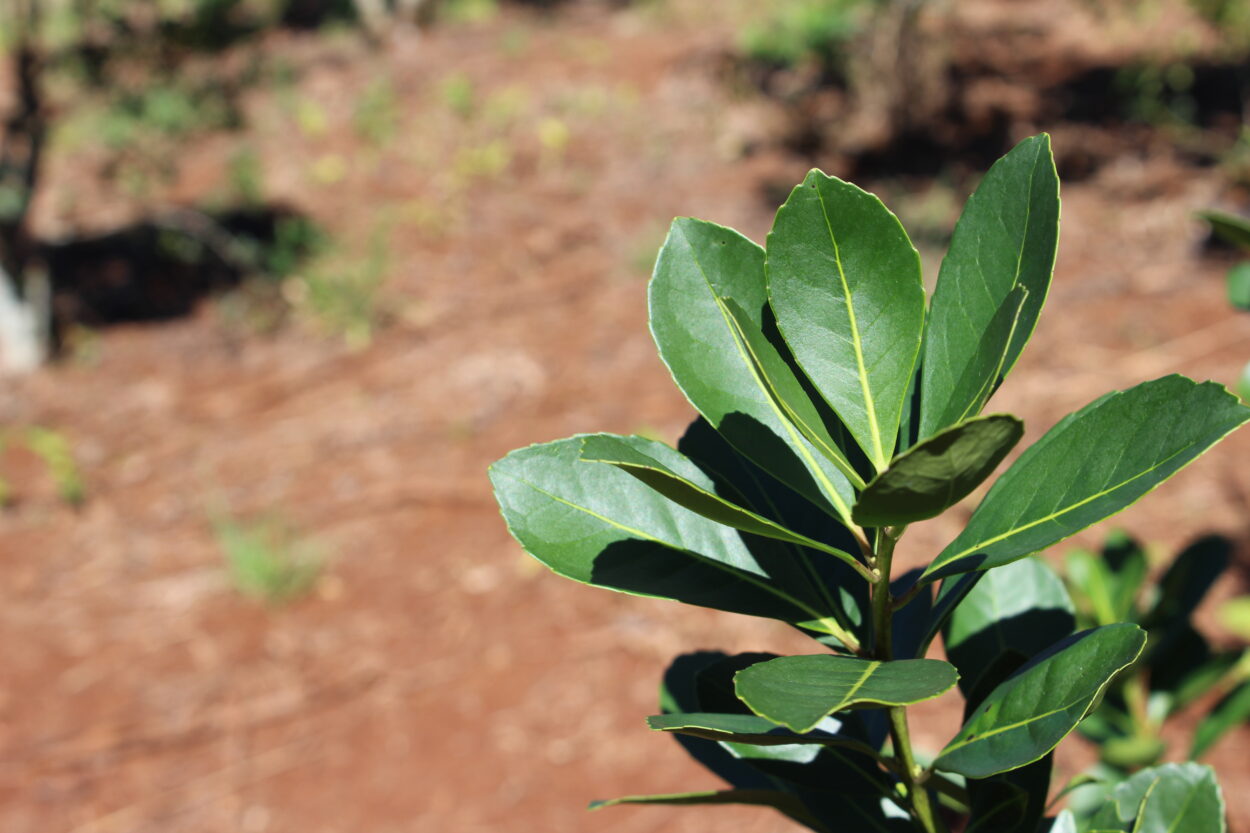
(1092, 464)
(1015, 611)
(635, 456)
(845, 284)
(1232, 228)
(599, 525)
(1165, 799)
(798, 692)
(937, 473)
(979, 322)
(1028, 714)
(700, 265)
(1232, 711)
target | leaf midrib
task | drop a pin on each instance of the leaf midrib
(856, 340)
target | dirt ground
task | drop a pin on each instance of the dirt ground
(437, 680)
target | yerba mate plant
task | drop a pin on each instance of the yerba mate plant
(837, 407)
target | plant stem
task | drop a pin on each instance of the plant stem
(882, 614)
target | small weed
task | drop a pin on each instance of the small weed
(483, 162)
(377, 114)
(469, 11)
(339, 292)
(268, 560)
(553, 135)
(459, 94)
(796, 31)
(53, 449)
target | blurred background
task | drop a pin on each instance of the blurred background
(280, 278)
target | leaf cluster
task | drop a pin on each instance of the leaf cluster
(837, 405)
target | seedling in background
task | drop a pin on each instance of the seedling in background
(838, 405)
(1235, 230)
(53, 449)
(1179, 667)
(268, 560)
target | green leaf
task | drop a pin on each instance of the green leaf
(1013, 802)
(979, 320)
(700, 265)
(1165, 799)
(1027, 715)
(1092, 464)
(1107, 584)
(633, 455)
(1232, 711)
(788, 393)
(845, 283)
(937, 473)
(798, 692)
(748, 485)
(1230, 228)
(1065, 822)
(1235, 615)
(1239, 285)
(750, 729)
(599, 525)
(1019, 610)
(787, 803)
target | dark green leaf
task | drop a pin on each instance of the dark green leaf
(937, 473)
(790, 805)
(1094, 463)
(1239, 286)
(1231, 228)
(598, 525)
(700, 265)
(1013, 802)
(751, 729)
(1028, 714)
(1005, 240)
(1020, 609)
(745, 483)
(845, 283)
(1232, 711)
(1187, 580)
(1166, 799)
(798, 692)
(636, 455)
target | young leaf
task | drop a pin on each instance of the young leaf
(1232, 711)
(845, 283)
(1005, 240)
(1020, 609)
(1166, 799)
(1092, 464)
(937, 473)
(1027, 715)
(598, 525)
(700, 265)
(635, 456)
(798, 692)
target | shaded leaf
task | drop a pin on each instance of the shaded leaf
(1231, 228)
(1013, 802)
(937, 473)
(1232, 711)
(740, 479)
(598, 525)
(845, 283)
(1019, 610)
(798, 692)
(753, 729)
(636, 456)
(1027, 715)
(700, 265)
(787, 803)
(992, 284)
(1092, 464)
